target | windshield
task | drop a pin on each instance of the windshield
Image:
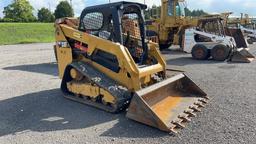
(170, 8)
(180, 9)
(133, 33)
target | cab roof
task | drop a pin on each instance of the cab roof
(116, 4)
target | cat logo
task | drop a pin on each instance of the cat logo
(77, 35)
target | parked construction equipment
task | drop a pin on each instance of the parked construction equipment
(250, 33)
(244, 24)
(193, 35)
(106, 62)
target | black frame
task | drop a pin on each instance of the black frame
(116, 11)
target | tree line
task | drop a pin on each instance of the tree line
(22, 11)
(195, 13)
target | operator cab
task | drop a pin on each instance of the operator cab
(176, 8)
(120, 22)
(211, 24)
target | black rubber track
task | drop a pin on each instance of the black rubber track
(121, 94)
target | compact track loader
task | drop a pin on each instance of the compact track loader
(173, 25)
(105, 61)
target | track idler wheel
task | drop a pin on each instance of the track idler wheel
(76, 75)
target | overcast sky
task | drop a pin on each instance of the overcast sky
(211, 6)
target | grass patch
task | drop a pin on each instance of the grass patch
(17, 33)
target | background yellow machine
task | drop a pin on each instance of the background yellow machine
(243, 24)
(244, 20)
(105, 61)
(203, 37)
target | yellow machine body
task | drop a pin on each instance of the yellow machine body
(138, 76)
(174, 23)
(243, 20)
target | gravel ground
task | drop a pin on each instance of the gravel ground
(32, 109)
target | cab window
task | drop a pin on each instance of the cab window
(93, 21)
(180, 9)
(170, 8)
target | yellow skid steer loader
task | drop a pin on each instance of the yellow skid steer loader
(105, 61)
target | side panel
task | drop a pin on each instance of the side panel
(189, 40)
(64, 56)
(130, 75)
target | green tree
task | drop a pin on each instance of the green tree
(197, 13)
(19, 11)
(45, 15)
(153, 12)
(188, 12)
(63, 9)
